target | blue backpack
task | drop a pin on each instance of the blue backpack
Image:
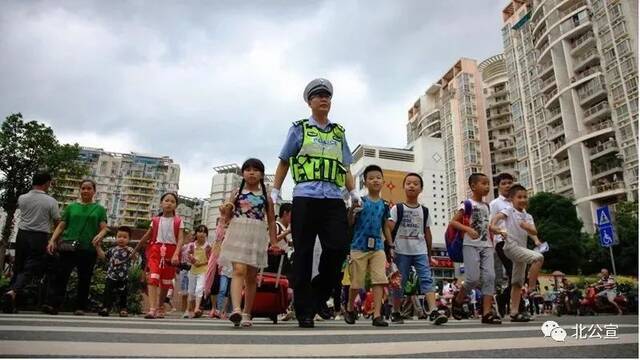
(454, 238)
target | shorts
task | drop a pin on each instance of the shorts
(183, 280)
(609, 294)
(161, 272)
(372, 262)
(521, 257)
(196, 285)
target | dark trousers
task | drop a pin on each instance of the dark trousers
(30, 257)
(83, 261)
(326, 219)
(115, 288)
(504, 298)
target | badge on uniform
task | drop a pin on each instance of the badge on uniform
(372, 243)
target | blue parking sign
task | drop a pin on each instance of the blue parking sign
(607, 236)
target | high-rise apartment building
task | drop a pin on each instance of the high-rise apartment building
(453, 108)
(502, 144)
(129, 186)
(573, 84)
(190, 210)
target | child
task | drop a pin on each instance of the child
(517, 226)
(166, 235)
(183, 277)
(199, 252)
(367, 250)
(247, 238)
(212, 276)
(120, 258)
(477, 249)
(412, 238)
(505, 181)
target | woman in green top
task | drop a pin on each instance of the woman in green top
(83, 224)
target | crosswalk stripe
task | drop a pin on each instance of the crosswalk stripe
(431, 329)
(56, 348)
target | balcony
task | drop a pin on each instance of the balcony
(581, 43)
(550, 98)
(555, 132)
(576, 21)
(587, 59)
(604, 170)
(607, 124)
(596, 112)
(510, 157)
(561, 167)
(558, 147)
(545, 68)
(563, 185)
(553, 115)
(496, 125)
(592, 93)
(546, 84)
(494, 115)
(603, 148)
(605, 186)
(590, 71)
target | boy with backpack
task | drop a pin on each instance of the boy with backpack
(472, 220)
(411, 235)
(369, 218)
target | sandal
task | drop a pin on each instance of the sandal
(151, 314)
(124, 313)
(520, 317)
(160, 314)
(246, 320)
(492, 319)
(197, 314)
(235, 317)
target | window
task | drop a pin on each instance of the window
(632, 84)
(623, 48)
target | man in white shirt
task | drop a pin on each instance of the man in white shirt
(504, 264)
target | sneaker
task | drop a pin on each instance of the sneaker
(396, 318)
(185, 315)
(78, 313)
(437, 317)
(379, 321)
(48, 309)
(103, 312)
(350, 317)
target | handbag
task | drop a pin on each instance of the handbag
(72, 246)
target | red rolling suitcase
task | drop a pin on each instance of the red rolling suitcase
(272, 294)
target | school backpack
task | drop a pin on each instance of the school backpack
(400, 212)
(454, 238)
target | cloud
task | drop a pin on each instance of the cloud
(211, 83)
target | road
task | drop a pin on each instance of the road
(37, 335)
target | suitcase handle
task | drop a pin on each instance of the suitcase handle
(279, 273)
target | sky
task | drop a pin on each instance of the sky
(210, 83)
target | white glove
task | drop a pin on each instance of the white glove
(275, 195)
(355, 197)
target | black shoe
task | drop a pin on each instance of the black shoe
(437, 317)
(323, 310)
(48, 309)
(306, 322)
(396, 318)
(350, 317)
(103, 312)
(8, 304)
(379, 321)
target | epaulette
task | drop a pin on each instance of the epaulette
(299, 122)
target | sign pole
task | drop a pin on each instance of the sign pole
(613, 263)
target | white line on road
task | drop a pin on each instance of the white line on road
(244, 332)
(58, 348)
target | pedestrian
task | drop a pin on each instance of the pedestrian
(505, 181)
(518, 224)
(477, 250)
(83, 225)
(412, 246)
(317, 152)
(369, 219)
(283, 234)
(183, 276)
(222, 297)
(548, 298)
(251, 229)
(119, 259)
(164, 237)
(607, 288)
(198, 255)
(38, 215)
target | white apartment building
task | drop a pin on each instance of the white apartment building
(129, 186)
(572, 68)
(190, 210)
(502, 144)
(453, 109)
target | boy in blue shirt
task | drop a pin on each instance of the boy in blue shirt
(367, 250)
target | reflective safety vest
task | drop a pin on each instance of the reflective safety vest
(320, 156)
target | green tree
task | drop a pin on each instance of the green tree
(25, 148)
(143, 224)
(557, 223)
